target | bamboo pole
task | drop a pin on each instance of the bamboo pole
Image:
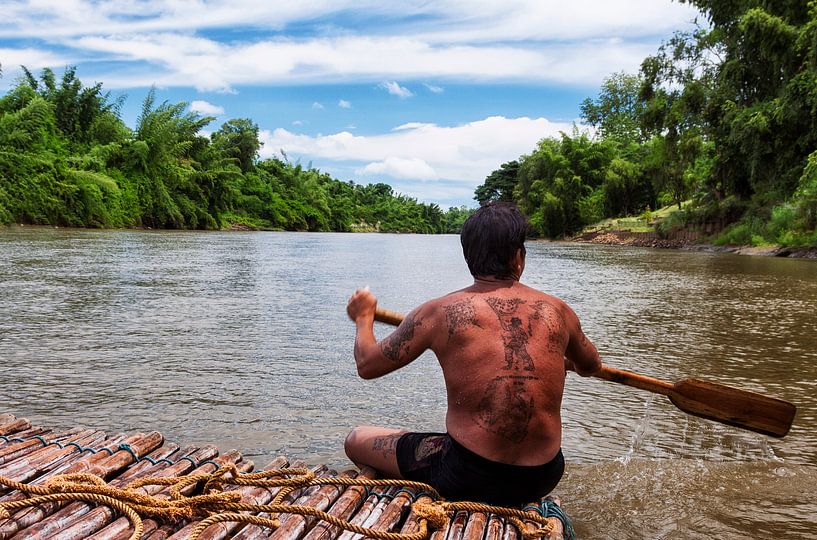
(122, 458)
(441, 534)
(345, 506)
(322, 500)
(475, 526)
(412, 523)
(183, 530)
(140, 444)
(41, 462)
(252, 531)
(367, 517)
(120, 528)
(60, 459)
(38, 457)
(80, 519)
(26, 436)
(493, 531)
(146, 467)
(393, 512)
(26, 433)
(457, 527)
(249, 495)
(14, 426)
(14, 449)
(298, 497)
(52, 462)
(161, 533)
(510, 532)
(9, 451)
(165, 530)
(6, 418)
(360, 516)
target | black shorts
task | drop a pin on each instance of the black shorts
(459, 474)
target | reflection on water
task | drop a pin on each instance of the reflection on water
(242, 339)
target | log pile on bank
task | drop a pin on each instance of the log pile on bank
(86, 472)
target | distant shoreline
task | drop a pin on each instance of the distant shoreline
(608, 238)
(612, 237)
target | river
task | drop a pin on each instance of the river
(241, 339)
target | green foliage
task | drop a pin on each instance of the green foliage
(499, 185)
(66, 158)
(725, 114)
(806, 195)
(617, 111)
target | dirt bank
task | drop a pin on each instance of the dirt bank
(686, 241)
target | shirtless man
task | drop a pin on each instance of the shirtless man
(504, 349)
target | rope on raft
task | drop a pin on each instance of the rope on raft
(217, 505)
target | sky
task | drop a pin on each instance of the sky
(427, 96)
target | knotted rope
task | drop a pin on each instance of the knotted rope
(215, 505)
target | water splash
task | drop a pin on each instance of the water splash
(640, 433)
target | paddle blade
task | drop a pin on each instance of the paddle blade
(734, 407)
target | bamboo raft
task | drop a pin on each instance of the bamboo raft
(329, 507)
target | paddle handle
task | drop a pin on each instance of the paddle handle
(388, 317)
(635, 380)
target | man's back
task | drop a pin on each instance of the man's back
(501, 348)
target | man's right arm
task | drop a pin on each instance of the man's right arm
(375, 359)
(581, 355)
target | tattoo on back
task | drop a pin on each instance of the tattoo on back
(545, 312)
(460, 314)
(507, 407)
(398, 343)
(514, 334)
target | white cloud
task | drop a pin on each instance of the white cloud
(450, 160)
(413, 125)
(488, 20)
(434, 88)
(155, 42)
(395, 89)
(343, 104)
(174, 60)
(395, 167)
(30, 58)
(317, 105)
(206, 108)
(297, 123)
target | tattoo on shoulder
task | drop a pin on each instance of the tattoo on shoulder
(507, 407)
(460, 314)
(398, 343)
(544, 311)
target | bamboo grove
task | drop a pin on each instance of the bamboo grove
(66, 158)
(722, 119)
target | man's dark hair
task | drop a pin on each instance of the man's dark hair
(490, 238)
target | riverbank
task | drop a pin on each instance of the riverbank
(685, 241)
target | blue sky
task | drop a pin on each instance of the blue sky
(429, 97)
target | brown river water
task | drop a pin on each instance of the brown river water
(241, 339)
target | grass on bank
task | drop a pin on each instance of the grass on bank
(782, 226)
(644, 222)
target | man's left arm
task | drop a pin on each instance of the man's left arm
(399, 348)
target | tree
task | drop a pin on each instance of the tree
(616, 112)
(499, 185)
(238, 139)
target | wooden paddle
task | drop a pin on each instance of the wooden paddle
(714, 401)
